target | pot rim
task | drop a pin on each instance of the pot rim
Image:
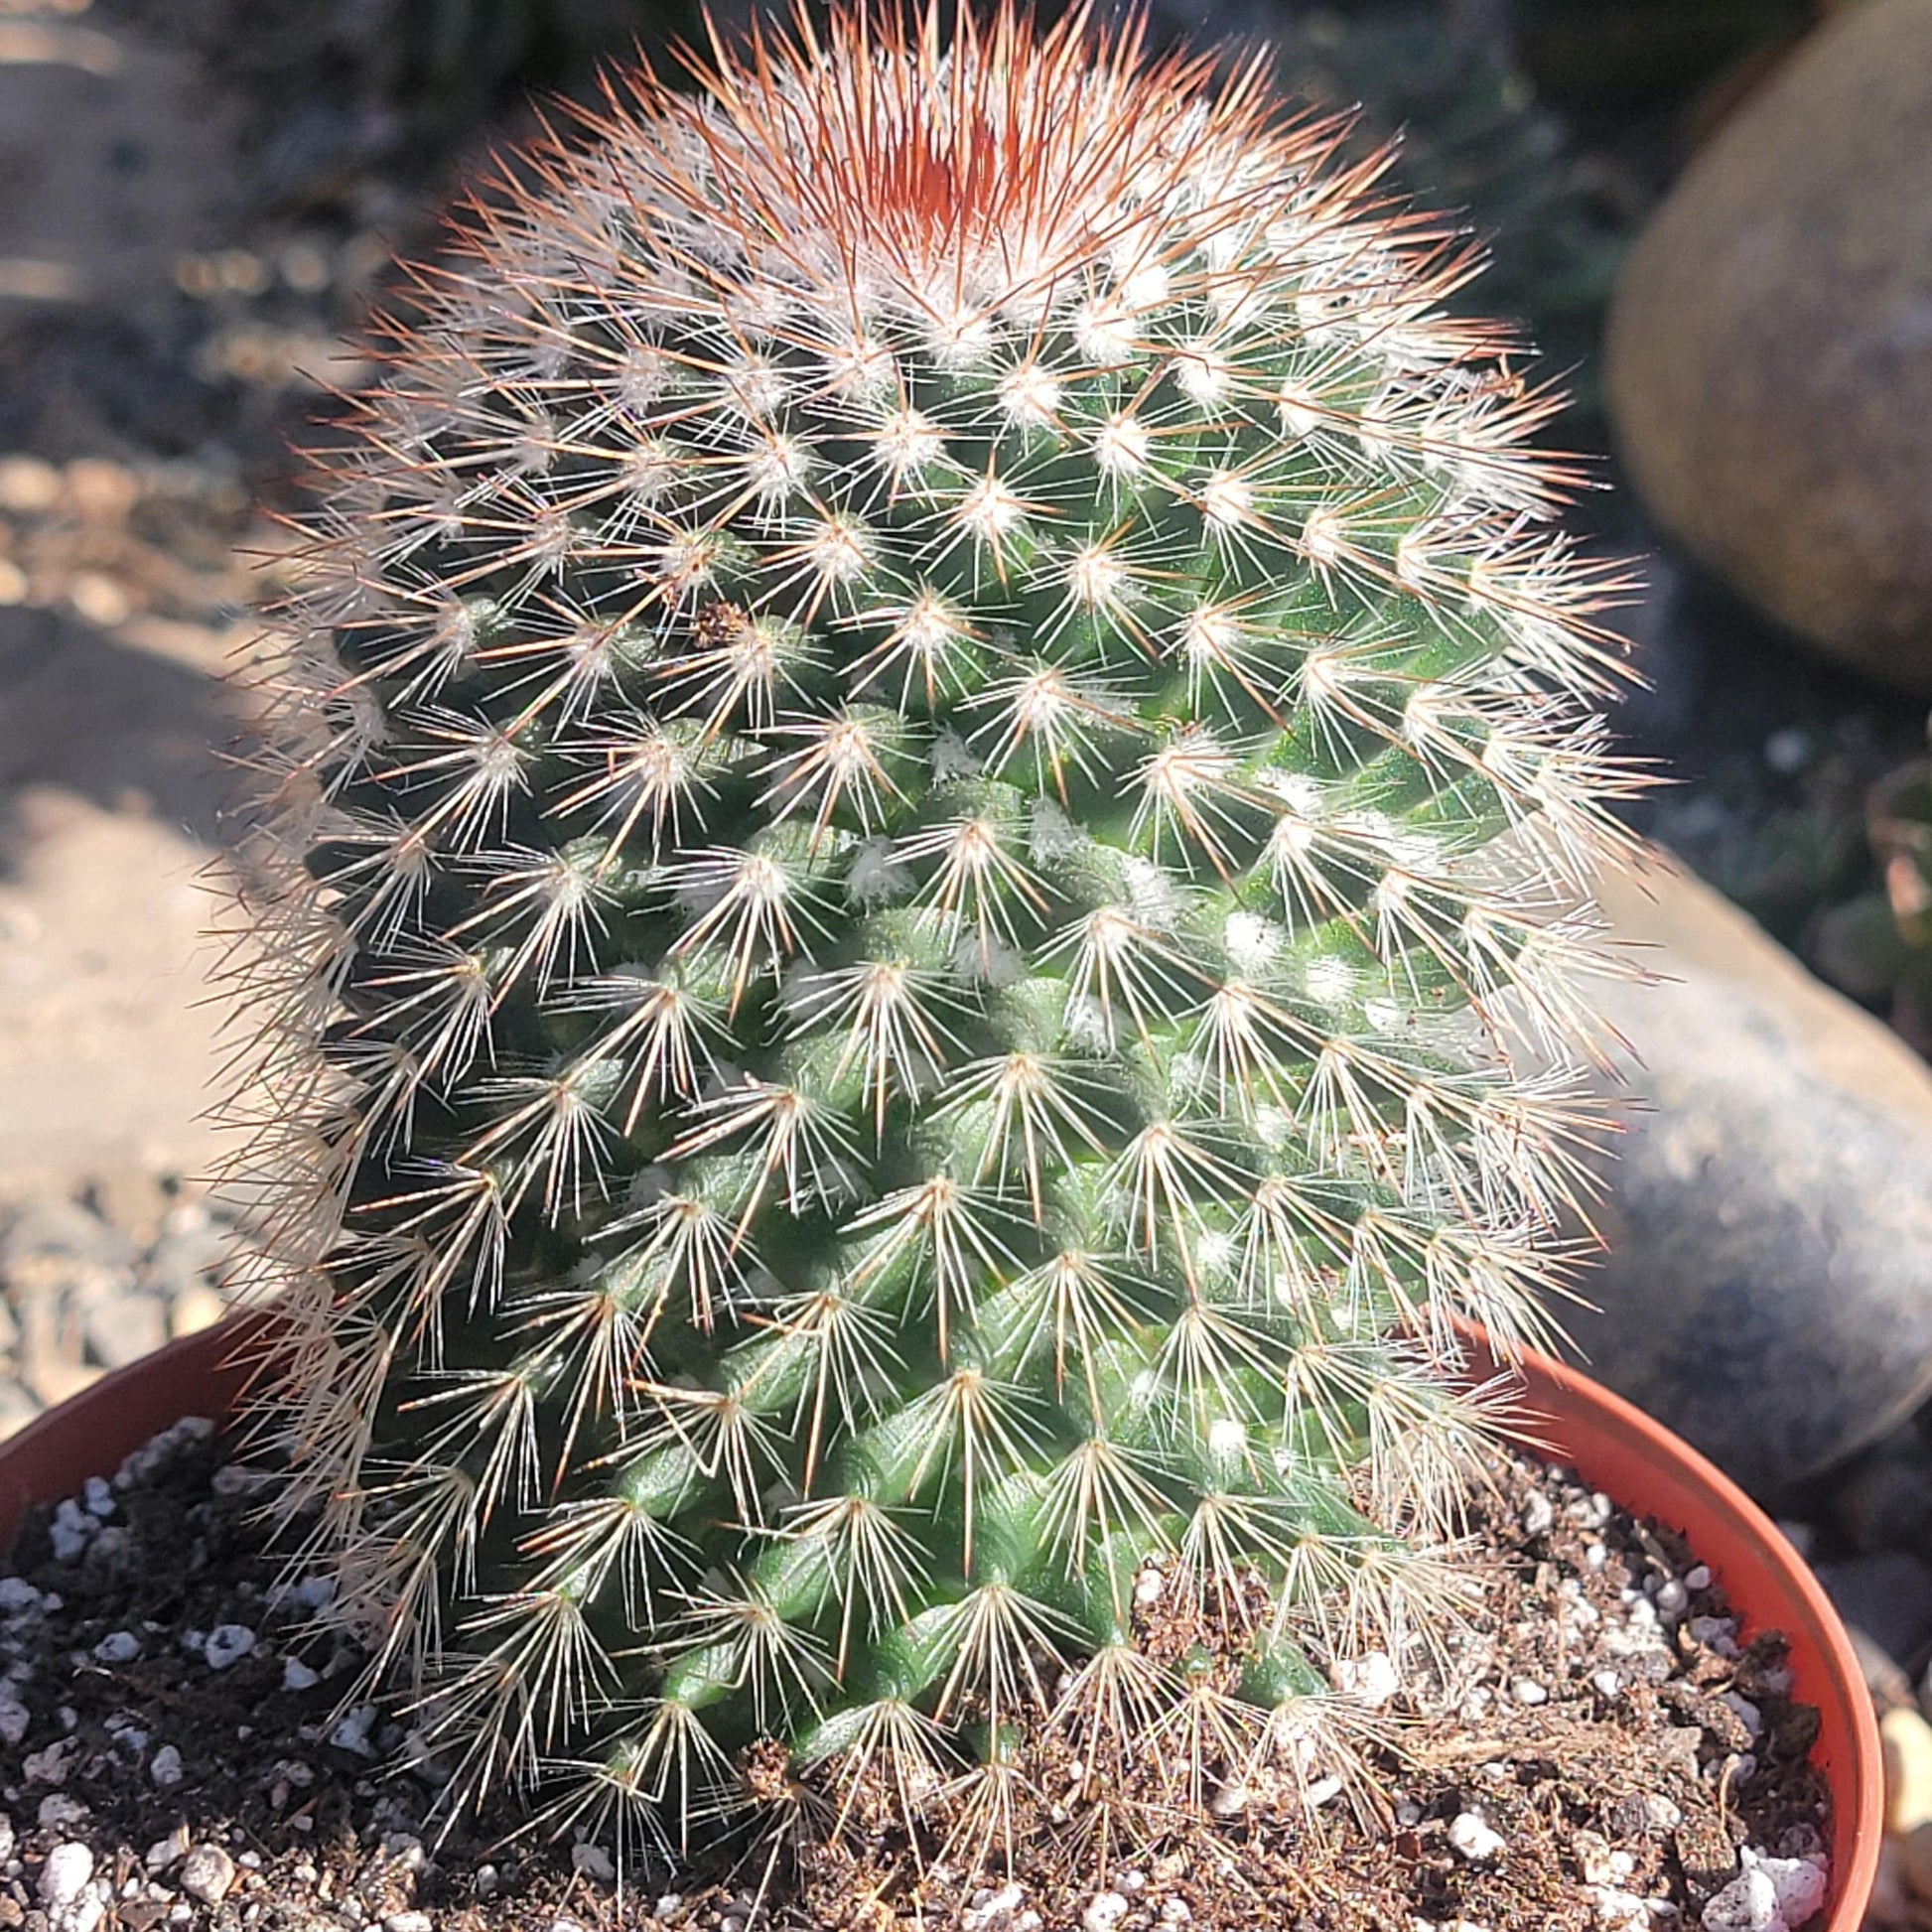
(92, 1431)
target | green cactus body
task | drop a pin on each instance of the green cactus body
(932, 729)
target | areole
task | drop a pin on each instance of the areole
(1611, 1444)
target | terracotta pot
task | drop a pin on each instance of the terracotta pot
(1614, 1447)
(200, 1375)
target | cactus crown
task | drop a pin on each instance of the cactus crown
(931, 731)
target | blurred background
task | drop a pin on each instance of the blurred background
(1713, 218)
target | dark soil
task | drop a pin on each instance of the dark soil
(1595, 1753)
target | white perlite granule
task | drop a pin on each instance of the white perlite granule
(1769, 1894)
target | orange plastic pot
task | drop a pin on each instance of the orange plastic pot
(1618, 1449)
(1612, 1446)
(91, 1434)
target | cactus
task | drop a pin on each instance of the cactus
(933, 738)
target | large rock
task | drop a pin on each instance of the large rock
(1768, 1288)
(1770, 357)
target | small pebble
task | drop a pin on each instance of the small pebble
(165, 1851)
(591, 1861)
(1526, 1690)
(1618, 1910)
(1471, 1835)
(1748, 1714)
(1539, 1514)
(990, 1910)
(159, 1451)
(350, 1732)
(208, 1874)
(1605, 1683)
(227, 1644)
(1697, 1577)
(49, 1766)
(65, 1873)
(1768, 1896)
(1747, 1904)
(118, 1647)
(1104, 1911)
(296, 1676)
(1372, 1677)
(1673, 1597)
(1717, 1634)
(165, 1767)
(408, 1923)
(314, 1592)
(70, 1531)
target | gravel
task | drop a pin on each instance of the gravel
(80, 1294)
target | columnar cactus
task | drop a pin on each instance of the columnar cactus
(932, 739)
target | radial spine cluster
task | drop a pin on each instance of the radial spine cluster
(933, 740)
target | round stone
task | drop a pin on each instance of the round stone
(1770, 345)
(1770, 1205)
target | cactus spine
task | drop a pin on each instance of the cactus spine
(932, 727)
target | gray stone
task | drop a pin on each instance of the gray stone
(121, 1329)
(187, 1258)
(51, 1226)
(1768, 331)
(1767, 1291)
(1888, 1597)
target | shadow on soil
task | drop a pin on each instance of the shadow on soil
(124, 727)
